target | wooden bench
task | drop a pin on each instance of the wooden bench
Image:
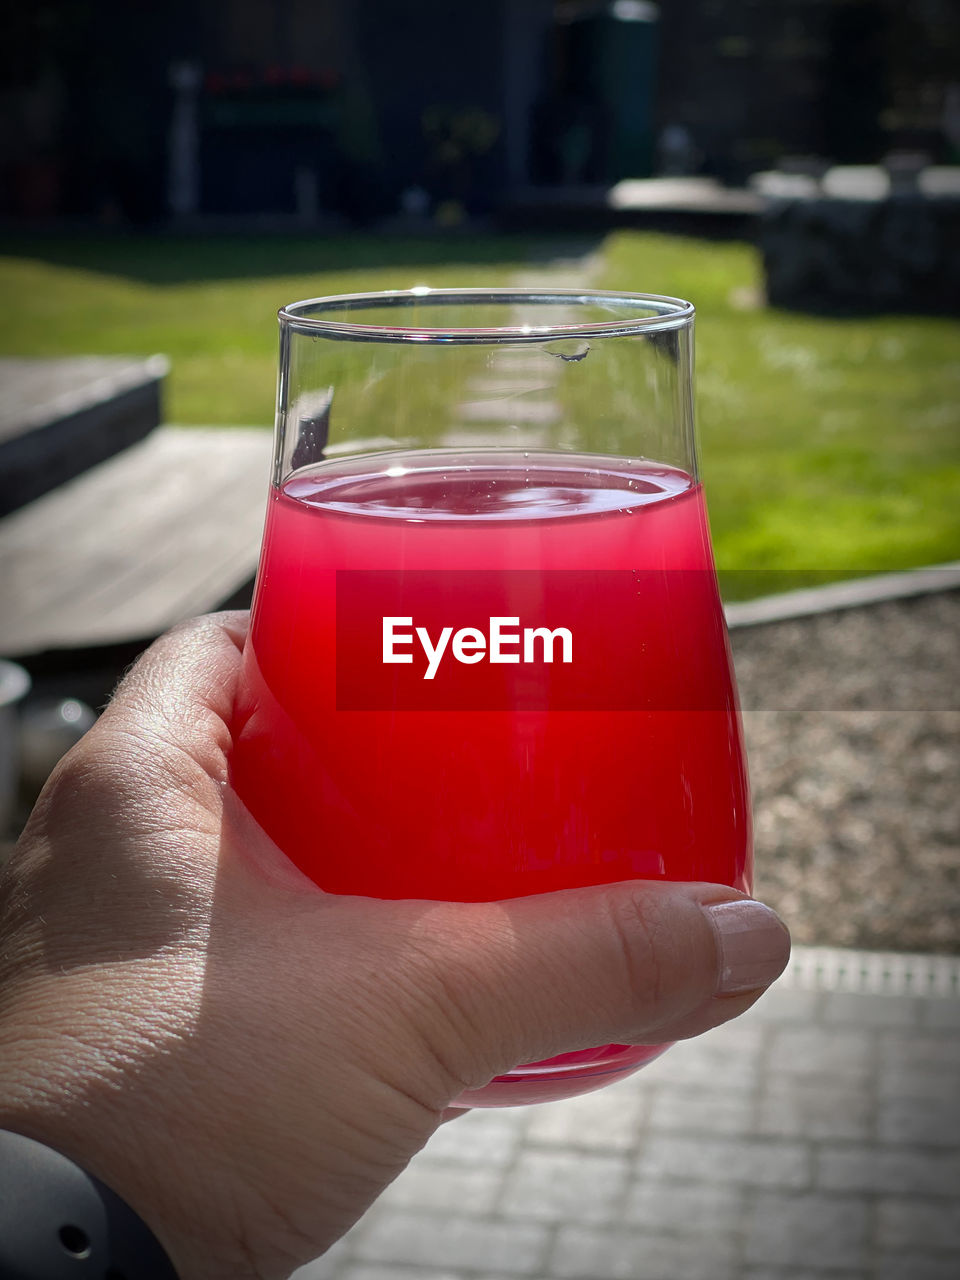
(167, 528)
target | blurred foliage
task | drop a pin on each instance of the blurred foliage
(458, 139)
(456, 133)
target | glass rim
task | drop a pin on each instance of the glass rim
(669, 313)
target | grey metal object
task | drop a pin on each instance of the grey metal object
(48, 730)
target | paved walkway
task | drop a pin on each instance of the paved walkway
(817, 1138)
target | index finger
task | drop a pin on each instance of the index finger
(181, 691)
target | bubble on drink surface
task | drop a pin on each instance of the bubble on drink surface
(568, 348)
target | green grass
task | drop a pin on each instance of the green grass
(210, 304)
(830, 447)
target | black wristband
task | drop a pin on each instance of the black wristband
(59, 1223)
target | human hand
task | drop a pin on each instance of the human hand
(249, 1061)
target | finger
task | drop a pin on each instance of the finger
(180, 693)
(640, 962)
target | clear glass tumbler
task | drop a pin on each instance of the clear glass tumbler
(487, 655)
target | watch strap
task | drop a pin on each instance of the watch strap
(57, 1220)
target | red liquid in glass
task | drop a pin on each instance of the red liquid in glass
(518, 797)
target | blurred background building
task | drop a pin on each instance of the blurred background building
(120, 113)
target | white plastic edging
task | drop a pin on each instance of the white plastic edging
(852, 594)
(889, 973)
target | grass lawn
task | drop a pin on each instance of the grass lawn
(211, 304)
(831, 447)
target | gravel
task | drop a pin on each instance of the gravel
(852, 722)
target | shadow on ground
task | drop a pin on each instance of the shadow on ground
(172, 259)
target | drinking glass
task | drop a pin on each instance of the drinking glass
(487, 655)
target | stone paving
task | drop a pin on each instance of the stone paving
(816, 1138)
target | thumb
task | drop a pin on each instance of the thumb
(641, 962)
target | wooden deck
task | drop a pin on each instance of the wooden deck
(58, 417)
(168, 528)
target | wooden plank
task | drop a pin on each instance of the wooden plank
(38, 391)
(168, 528)
(60, 417)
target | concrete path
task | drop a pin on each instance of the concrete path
(817, 1138)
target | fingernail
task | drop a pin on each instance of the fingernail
(753, 941)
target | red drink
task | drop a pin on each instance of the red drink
(387, 761)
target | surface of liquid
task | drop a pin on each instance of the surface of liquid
(515, 798)
(485, 487)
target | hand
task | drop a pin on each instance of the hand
(249, 1061)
